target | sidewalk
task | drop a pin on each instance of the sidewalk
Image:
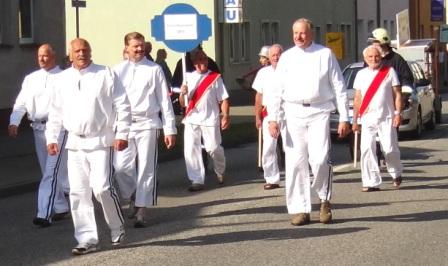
(19, 169)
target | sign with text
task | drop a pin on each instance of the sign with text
(181, 27)
(403, 31)
(335, 41)
(437, 10)
(233, 11)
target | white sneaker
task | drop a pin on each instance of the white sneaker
(84, 248)
(117, 236)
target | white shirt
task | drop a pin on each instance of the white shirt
(382, 104)
(88, 103)
(35, 97)
(311, 76)
(265, 84)
(147, 91)
(206, 112)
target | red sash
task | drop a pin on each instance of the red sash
(202, 88)
(373, 88)
(264, 112)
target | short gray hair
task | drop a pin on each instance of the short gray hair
(306, 21)
(364, 52)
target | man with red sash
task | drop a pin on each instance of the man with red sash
(264, 84)
(205, 96)
(378, 104)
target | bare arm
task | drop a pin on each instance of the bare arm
(356, 105)
(398, 106)
(183, 93)
(225, 120)
(258, 109)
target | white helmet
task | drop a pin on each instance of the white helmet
(380, 35)
(264, 51)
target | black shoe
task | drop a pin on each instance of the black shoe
(60, 216)
(41, 222)
(195, 187)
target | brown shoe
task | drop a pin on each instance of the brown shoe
(397, 181)
(370, 189)
(220, 179)
(300, 219)
(268, 186)
(325, 215)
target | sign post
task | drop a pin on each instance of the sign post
(77, 4)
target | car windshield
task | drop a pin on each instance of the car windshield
(349, 76)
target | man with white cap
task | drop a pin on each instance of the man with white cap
(264, 84)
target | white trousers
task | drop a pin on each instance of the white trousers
(269, 154)
(54, 180)
(307, 142)
(136, 168)
(387, 134)
(211, 137)
(91, 171)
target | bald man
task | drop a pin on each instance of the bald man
(34, 100)
(90, 102)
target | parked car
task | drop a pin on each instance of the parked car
(418, 103)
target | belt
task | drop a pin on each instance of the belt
(81, 136)
(305, 104)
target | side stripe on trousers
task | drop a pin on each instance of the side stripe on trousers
(54, 182)
(155, 166)
(112, 190)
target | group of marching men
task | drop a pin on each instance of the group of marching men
(104, 123)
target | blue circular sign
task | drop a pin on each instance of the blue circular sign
(181, 33)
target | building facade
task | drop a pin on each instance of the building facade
(24, 25)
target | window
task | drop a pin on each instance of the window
(329, 27)
(346, 29)
(317, 35)
(370, 26)
(26, 25)
(386, 25)
(239, 42)
(393, 30)
(269, 32)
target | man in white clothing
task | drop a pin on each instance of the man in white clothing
(264, 84)
(147, 90)
(378, 103)
(204, 97)
(34, 99)
(310, 83)
(91, 104)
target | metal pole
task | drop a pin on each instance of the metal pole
(77, 22)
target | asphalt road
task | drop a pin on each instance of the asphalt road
(241, 224)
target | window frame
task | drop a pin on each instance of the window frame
(26, 39)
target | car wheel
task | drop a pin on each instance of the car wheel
(431, 124)
(417, 132)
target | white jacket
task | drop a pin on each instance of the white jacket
(87, 103)
(147, 91)
(34, 98)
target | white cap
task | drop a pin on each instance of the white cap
(264, 51)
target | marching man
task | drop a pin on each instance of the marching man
(207, 96)
(264, 85)
(378, 102)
